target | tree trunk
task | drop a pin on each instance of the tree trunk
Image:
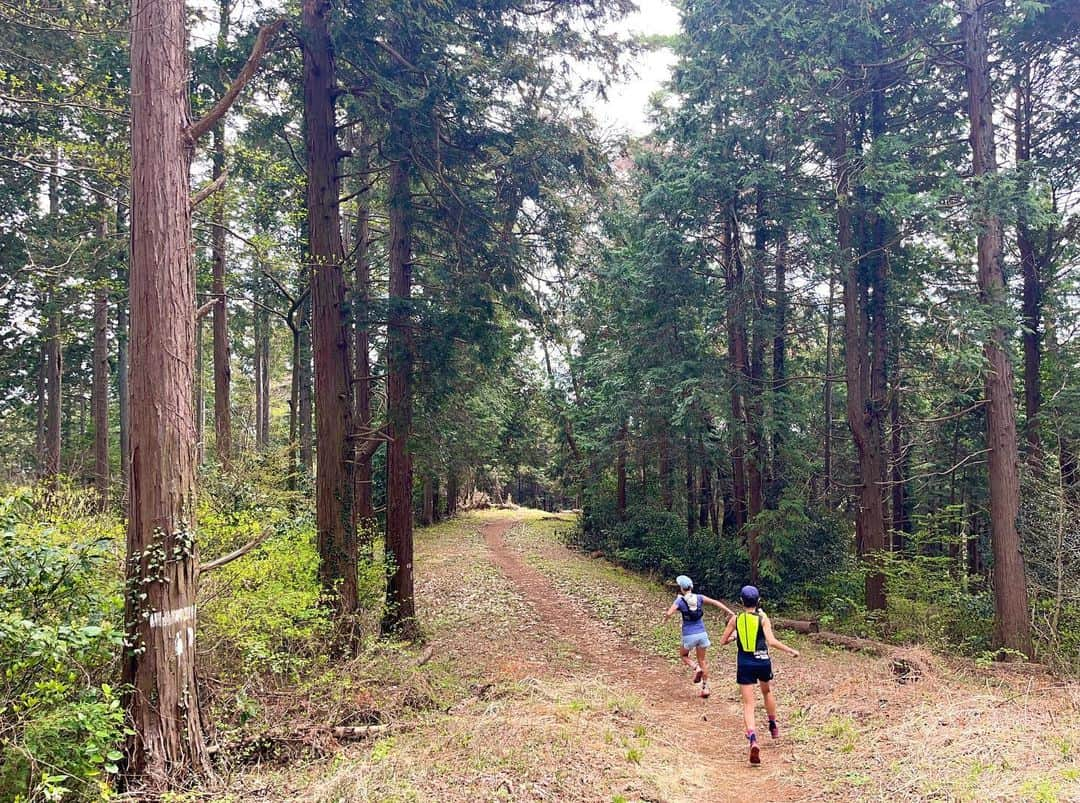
(428, 514)
(691, 497)
(123, 408)
(200, 396)
(222, 351)
(704, 485)
(401, 613)
(779, 372)
(1011, 627)
(755, 411)
(451, 491)
(1032, 273)
(304, 392)
(365, 506)
(294, 405)
(42, 404)
(738, 367)
(100, 384)
(54, 358)
(667, 490)
(827, 412)
(620, 473)
(862, 413)
(167, 745)
(335, 445)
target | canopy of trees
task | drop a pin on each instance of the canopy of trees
(817, 330)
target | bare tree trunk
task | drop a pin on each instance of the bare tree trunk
(862, 413)
(122, 405)
(42, 404)
(1031, 269)
(705, 501)
(401, 613)
(667, 490)
(779, 372)
(162, 561)
(451, 491)
(294, 406)
(1011, 628)
(755, 410)
(827, 413)
(691, 497)
(304, 392)
(54, 358)
(738, 367)
(620, 473)
(365, 506)
(100, 384)
(200, 395)
(222, 351)
(428, 514)
(334, 432)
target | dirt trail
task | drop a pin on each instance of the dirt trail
(715, 723)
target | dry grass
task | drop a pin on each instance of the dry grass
(513, 712)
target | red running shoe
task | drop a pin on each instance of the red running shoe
(755, 753)
(774, 729)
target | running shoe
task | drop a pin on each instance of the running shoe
(698, 672)
(705, 690)
(755, 753)
(774, 729)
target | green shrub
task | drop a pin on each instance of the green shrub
(61, 612)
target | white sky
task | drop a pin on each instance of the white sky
(627, 105)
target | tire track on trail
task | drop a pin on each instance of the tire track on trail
(709, 729)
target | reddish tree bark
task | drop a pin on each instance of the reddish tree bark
(738, 366)
(401, 612)
(99, 390)
(863, 414)
(222, 351)
(334, 479)
(162, 565)
(1011, 628)
(365, 507)
(1032, 270)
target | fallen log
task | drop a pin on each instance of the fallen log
(804, 626)
(869, 646)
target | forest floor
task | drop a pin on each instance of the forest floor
(550, 678)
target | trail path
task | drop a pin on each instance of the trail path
(706, 728)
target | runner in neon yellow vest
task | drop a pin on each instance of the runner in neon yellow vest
(752, 631)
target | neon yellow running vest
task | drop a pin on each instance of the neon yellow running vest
(751, 634)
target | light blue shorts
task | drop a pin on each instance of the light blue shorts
(696, 640)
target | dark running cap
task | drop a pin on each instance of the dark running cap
(749, 595)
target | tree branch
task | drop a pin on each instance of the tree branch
(209, 189)
(258, 50)
(217, 563)
(202, 311)
(372, 441)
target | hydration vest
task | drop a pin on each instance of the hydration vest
(751, 636)
(690, 615)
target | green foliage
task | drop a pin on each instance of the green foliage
(61, 724)
(804, 547)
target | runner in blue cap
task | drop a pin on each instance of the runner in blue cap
(753, 632)
(694, 637)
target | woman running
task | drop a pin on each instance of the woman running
(753, 632)
(694, 637)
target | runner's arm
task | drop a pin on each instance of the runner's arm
(718, 604)
(729, 632)
(674, 607)
(773, 641)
